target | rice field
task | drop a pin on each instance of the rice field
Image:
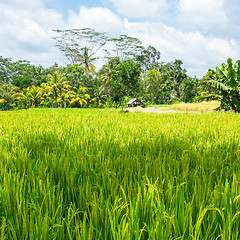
(98, 174)
(201, 107)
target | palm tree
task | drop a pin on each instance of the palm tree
(65, 97)
(30, 95)
(21, 97)
(56, 84)
(86, 60)
(34, 95)
(39, 75)
(99, 96)
(79, 97)
(7, 95)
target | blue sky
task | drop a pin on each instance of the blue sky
(202, 33)
(74, 5)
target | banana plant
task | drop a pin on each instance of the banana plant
(226, 85)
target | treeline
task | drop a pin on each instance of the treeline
(128, 70)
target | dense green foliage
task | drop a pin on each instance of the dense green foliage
(154, 82)
(126, 80)
(116, 78)
(129, 70)
(224, 84)
(98, 174)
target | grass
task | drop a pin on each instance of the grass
(99, 174)
(162, 107)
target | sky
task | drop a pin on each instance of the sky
(202, 33)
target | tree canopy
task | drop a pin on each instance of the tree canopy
(80, 44)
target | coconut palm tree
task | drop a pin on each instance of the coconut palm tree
(99, 96)
(34, 95)
(86, 61)
(30, 95)
(7, 95)
(79, 97)
(65, 97)
(56, 83)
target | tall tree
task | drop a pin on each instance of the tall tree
(205, 90)
(86, 61)
(188, 89)
(173, 75)
(126, 80)
(74, 74)
(108, 72)
(126, 47)
(39, 75)
(5, 70)
(148, 58)
(79, 44)
(154, 82)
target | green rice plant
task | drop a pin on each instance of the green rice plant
(99, 174)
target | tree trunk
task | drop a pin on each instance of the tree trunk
(152, 97)
(122, 103)
(109, 97)
(238, 98)
(56, 99)
(232, 104)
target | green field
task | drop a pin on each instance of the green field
(98, 174)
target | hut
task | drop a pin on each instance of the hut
(134, 102)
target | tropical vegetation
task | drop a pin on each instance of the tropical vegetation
(128, 70)
(224, 84)
(70, 170)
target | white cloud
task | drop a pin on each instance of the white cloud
(23, 5)
(101, 19)
(141, 8)
(31, 31)
(204, 14)
(26, 30)
(198, 52)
